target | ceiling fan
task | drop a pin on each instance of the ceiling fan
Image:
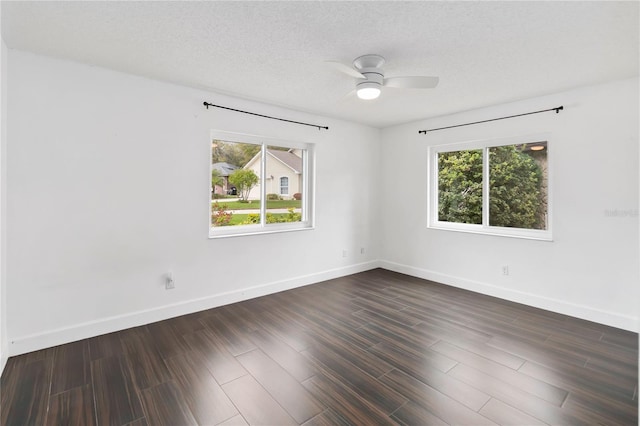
(367, 69)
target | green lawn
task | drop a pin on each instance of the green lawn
(255, 204)
(237, 219)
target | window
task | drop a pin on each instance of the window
(493, 187)
(284, 185)
(252, 178)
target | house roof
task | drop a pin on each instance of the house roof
(225, 169)
(288, 158)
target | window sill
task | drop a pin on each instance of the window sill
(241, 231)
(527, 234)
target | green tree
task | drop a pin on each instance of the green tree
(460, 186)
(244, 181)
(516, 196)
(515, 189)
(216, 179)
(234, 153)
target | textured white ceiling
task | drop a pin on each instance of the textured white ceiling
(484, 52)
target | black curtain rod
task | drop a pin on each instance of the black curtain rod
(207, 104)
(556, 109)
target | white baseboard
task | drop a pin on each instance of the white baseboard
(24, 344)
(612, 319)
(47, 339)
(3, 363)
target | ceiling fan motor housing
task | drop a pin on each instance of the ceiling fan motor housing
(370, 66)
(372, 78)
(368, 61)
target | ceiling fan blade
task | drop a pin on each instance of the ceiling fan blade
(349, 97)
(344, 69)
(412, 82)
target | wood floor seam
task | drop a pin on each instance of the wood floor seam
(376, 347)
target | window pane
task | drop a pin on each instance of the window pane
(518, 186)
(284, 184)
(235, 189)
(460, 186)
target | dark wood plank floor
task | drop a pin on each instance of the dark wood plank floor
(373, 348)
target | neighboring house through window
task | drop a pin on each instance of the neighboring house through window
(222, 170)
(283, 171)
(259, 185)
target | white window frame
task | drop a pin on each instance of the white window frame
(485, 228)
(308, 182)
(287, 186)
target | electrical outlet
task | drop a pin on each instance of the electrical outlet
(361, 250)
(505, 270)
(344, 253)
(169, 282)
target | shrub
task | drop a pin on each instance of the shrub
(273, 197)
(291, 216)
(271, 218)
(220, 216)
(252, 218)
(297, 196)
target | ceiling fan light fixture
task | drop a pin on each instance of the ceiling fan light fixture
(369, 75)
(368, 90)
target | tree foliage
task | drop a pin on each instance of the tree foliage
(237, 154)
(460, 186)
(515, 189)
(244, 180)
(216, 179)
(516, 196)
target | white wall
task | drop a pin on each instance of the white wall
(107, 185)
(3, 181)
(590, 270)
(108, 189)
